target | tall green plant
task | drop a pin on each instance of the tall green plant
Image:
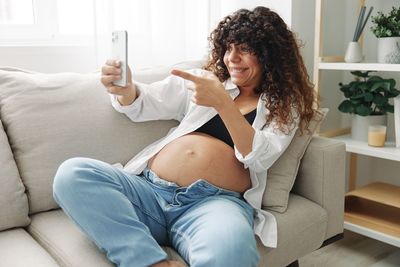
(368, 95)
(386, 25)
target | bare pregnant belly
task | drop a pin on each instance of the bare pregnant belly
(200, 156)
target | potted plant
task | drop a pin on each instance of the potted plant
(367, 98)
(387, 29)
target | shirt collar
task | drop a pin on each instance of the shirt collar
(229, 85)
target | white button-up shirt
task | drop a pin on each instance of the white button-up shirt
(170, 99)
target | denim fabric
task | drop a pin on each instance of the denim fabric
(130, 217)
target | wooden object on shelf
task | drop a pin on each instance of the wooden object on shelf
(353, 171)
(376, 207)
(335, 132)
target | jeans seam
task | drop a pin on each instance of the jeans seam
(158, 220)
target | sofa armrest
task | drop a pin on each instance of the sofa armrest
(321, 179)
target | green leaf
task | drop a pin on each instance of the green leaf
(376, 86)
(375, 78)
(380, 99)
(346, 107)
(360, 73)
(368, 97)
(363, 110)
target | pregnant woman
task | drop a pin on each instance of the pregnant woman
(199, 189)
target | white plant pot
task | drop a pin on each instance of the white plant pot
(353, 53)
(359, 125)
(388, 50)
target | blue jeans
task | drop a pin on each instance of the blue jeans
(130, 217)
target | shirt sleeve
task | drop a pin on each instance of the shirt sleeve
(268, 145)
(162, 100)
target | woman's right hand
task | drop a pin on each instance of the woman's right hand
(111, 72)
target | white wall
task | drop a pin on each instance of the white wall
(49, 59)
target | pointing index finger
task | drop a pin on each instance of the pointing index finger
(186, 75)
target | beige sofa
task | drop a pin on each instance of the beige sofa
(47, 118)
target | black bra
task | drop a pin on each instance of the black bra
(216, 127)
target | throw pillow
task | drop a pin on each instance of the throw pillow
(283, 172)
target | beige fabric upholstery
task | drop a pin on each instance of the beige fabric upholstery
(13, 200)
(19, 249)
(300, 229)
(59, 116)
(283, 172)
(65, 242)
(322, 179)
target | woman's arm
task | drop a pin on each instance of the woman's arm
(240, 130)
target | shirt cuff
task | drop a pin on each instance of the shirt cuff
(259, 144)
(128, 108)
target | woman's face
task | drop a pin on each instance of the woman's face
(243, 66)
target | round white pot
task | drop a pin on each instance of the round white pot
(388, 50)
(359, 125)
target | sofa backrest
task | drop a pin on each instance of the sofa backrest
(13, 200)
(52, 117)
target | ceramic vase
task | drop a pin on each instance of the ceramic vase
(389, 50)
(359, 125)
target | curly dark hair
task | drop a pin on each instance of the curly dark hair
(285, 82)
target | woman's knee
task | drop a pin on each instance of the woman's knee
(70, 174)
(233, 246)
(241, 249)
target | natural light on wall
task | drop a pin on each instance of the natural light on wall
(16, 12)
(161, 32)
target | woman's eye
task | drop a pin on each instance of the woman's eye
(245, 49)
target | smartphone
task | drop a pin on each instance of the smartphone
(120, 52)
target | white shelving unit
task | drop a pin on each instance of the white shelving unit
(372, 210)
(389, 151)
(358, 66)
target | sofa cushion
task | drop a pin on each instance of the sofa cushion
(301, 229)
(53, 117)
(283, 172)
(19, 249)
(13, 200)
(67, 244)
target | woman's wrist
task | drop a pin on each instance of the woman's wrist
(129, 98)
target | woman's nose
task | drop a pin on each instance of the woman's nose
(234, 56)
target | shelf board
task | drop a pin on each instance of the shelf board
(374, 211)
(358, 66)
(389, 151)
(365, 231)
(383, 193)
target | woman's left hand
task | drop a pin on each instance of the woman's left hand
(207, 91)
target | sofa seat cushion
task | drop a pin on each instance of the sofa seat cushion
(67, 244)
(301, 229)
(19, 249)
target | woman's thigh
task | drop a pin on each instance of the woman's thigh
(216, 232)
(89, 189)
